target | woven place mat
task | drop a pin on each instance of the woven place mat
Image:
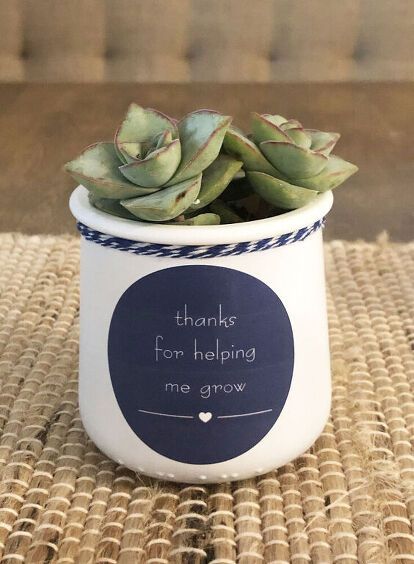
(349, 499)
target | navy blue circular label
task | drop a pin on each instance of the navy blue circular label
(201, 361)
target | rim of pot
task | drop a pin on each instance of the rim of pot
(197, 234)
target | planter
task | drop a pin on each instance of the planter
(204, 350)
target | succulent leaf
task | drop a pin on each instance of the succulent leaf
(142, 124)
(241, 147)
(224, 211)
(157, 168)
(276, 119)
(112, 207)
(293, 161)
(300, 137)
(200, 219)
(97, 169)
(264, 129)
(215, 179)
(128, 152)
(336, 171)
(323, 141)
(167, 203)
(201, 134)
(291, 124)
(164, 139)
(280, 193)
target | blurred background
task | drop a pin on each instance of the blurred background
(69, 68)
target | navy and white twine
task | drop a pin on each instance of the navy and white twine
(196, 251)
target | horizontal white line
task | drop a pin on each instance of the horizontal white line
(244, 414)
(166, 414)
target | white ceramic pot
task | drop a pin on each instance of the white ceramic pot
(198, 364)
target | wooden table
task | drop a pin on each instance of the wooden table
(43, 126)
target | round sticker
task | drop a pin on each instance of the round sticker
(201, 361)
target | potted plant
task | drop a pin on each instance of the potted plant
(204, 343)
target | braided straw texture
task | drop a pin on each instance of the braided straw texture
(349, 499)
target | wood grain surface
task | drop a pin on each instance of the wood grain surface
(43, 126)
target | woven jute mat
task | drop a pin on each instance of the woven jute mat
(349, 499)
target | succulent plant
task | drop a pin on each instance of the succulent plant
(287, 165)
(188, 172)
(158, 169)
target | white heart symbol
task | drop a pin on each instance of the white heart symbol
(205, 416)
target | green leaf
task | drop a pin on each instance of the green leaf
(200, 219)
(263, 129)
(239, 146)
(292, 160)
(300, 137)
(291, 124)
(97, 169)
(201, 134)
(167, 203)
(157, 168)
(322, 141)
(335, 173)
(215, 179)
(141, 124)
(226, 213)
(128, 152)
(280, 193)
(275, 119)
(113, 207)
(164, 139)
